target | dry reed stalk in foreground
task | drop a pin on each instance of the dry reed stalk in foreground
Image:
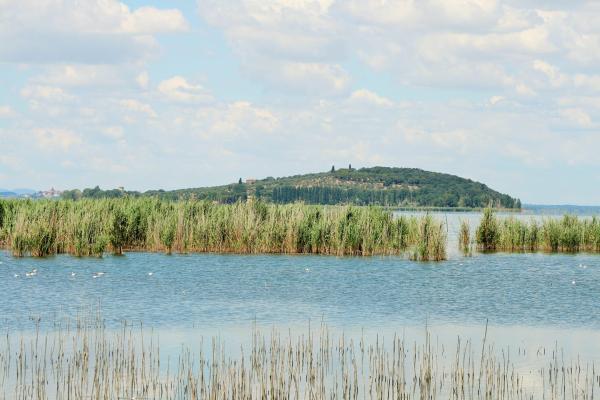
(88, 361)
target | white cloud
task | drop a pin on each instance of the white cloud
(143, 79)
(6, 112)
(114, 132)
(91, 16)
(56, 138)
(153, 20)
(77, 75)
(496, 99)
(473, 44)
(179, 89)
(92, 31)
(137, 106)
(577, 116)
(237, 119)
(365, 96)
(45, 93)
(314, 77)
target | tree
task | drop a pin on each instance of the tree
(333, 168)
(240, 181)
(349, 167)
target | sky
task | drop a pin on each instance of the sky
(151, 94)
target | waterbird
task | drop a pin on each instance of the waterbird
(16, 275)
(72, 273)
(150, 273)
(572, 282)
(307, 269)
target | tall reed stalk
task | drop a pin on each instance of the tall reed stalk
(87, 361)
(464, 238)
(566, 234)
(92, 227)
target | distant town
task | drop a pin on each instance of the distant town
(30, 194)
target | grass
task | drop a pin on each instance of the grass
(93, 227)
(86, 360)
(464, 238)
(568, 234)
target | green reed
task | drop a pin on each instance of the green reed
(93, 227)
(566, 234)
(464, 238)
(430, 240)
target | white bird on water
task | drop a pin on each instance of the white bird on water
(98, 274)
(16, 275)
(573, 282)
(150, 273)
(72, 273)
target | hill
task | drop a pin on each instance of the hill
(409, 187)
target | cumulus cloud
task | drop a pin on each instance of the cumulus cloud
(482, 88)
(474, 44)
(364, 96)
(45, 93)
(242, 117)
(77, 75)
(6, 112)
(143, 79)
(312, 78)
(178, 88)
(577, 116)
(137, 106)
(56, 138)
(114, 132)
(94, 32)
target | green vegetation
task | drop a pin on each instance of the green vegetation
(92, 227)
(395, 187)
(487, 231)
(464, 238)
(567, 234)
(431, 244)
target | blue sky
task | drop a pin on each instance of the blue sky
(171, 94)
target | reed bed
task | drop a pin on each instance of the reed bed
(87, 361)
(93, 227)
(567, 234)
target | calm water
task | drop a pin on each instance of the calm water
(533, 303)
(209, 290)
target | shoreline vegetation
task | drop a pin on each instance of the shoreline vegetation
(568, 234)
(93, 227)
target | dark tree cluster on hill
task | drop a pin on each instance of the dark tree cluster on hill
(378, 186)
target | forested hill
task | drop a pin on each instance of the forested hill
(378, 185)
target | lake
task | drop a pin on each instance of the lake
(529, 301)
